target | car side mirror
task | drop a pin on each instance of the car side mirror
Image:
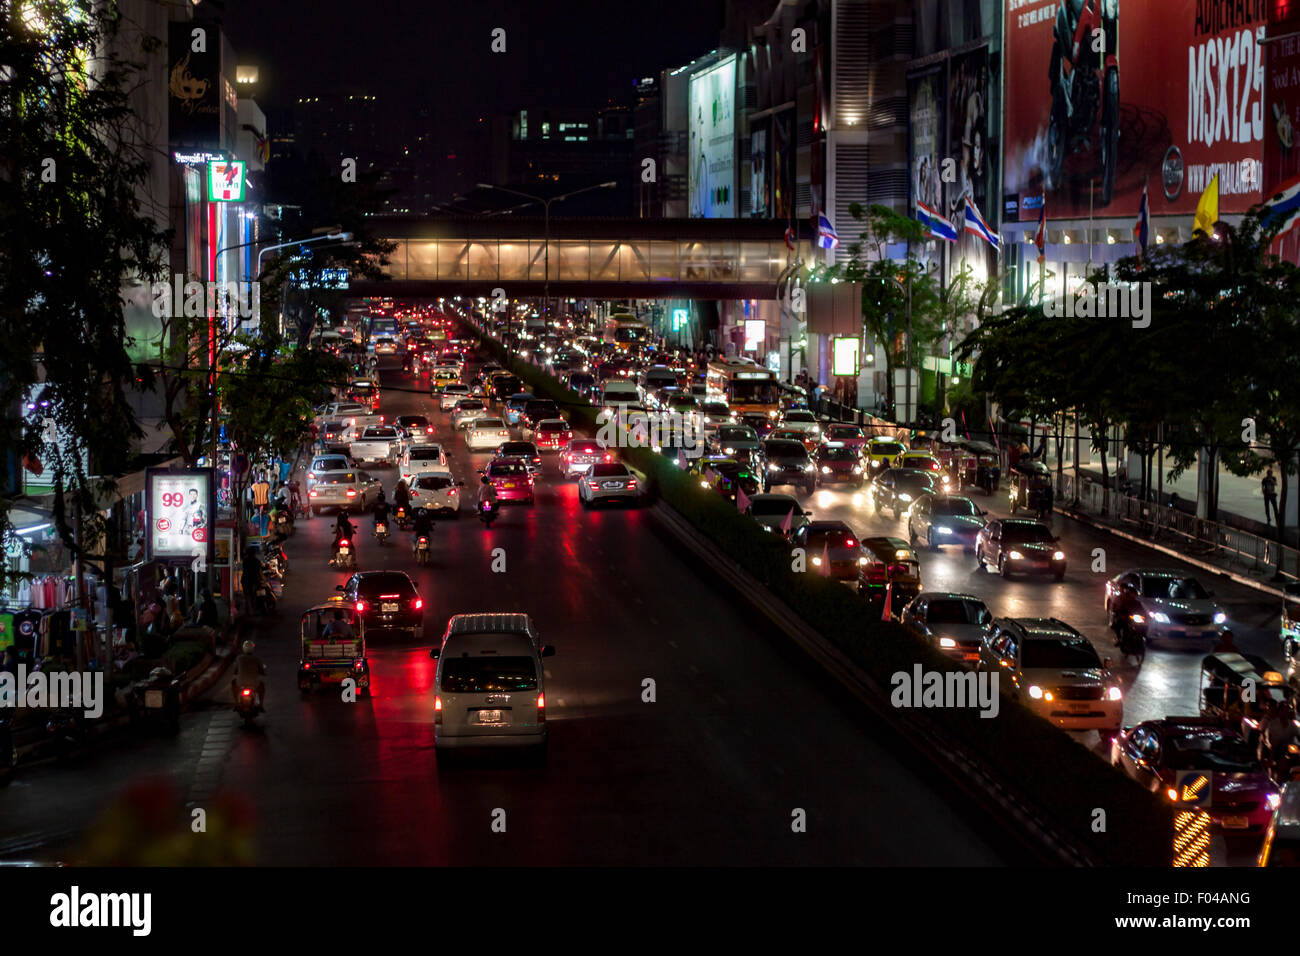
(548, 650)
(807, 514)
(435, 651)
(338, 587)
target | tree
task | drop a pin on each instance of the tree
(72, 236)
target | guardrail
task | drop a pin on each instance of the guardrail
(1209, 540)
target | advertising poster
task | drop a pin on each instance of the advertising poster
(783, 165)
(760, 172)
(1171, 92)
(968, 123)
(1282, 128)
(194, 85)
(179, 509)
(711, 176)
(926, 124)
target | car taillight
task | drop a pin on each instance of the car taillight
(248, 692)
(417, 604)
(312, 493)
(608, 458)
(361, 664)
(429, 430)
(632, 483)
(345, 543)
(437, 710)
(361, 607)
(352, 492)
(311, 474)
(451, 491)
(541, 708)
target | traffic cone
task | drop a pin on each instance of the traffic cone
(889, 597)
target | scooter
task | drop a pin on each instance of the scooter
(400, 515)
(487, 513)
(246, 704)
(345, 556)
(284, 521)
(1132, 643)
(422, 551)
(381, 532)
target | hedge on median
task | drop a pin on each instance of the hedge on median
(1107, 816)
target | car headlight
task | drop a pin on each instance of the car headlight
(1274, 799)
(1058, 556)
(1035, 692)
(875, 463)
(947, 642)
(817, 562)
(771, 414)
(904, 497)
(944, 530)
(808, 467)
(826, 469)
(1114, 693)
(773, 467)
(1015, 556)
(1160, 617)
(862, 561)
(857, 469)
(729, 451)
(1137, 619)
(1220, 618)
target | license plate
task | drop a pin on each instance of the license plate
(489, 716)
(153, 698)
(389, 607)
(1235, 823)
(509, 484)
(343, 550)
(612, 484)
(1079, 708)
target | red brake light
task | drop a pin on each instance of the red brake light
(607, 458)
(848, 543)
(437, 710)
(361, 607)
(541, 708)
(312, 493)
(248, 692)
(417, 604)
(345, 543)
(352, 492)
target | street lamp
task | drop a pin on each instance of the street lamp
(546, 208)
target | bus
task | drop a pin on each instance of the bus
(747, 387)
(626, 331)
(380, 326)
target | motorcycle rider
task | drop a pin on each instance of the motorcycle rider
(1279, 730)
(402, 496)
(423, 526)
(381, 510)
(344, 530)
(249, 671)
(408, 360)
(340, 628)
(487, 492)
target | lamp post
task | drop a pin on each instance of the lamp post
(546, 209)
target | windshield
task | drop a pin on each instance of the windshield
(955, 506)
(838, 454)
(556, 426)
(1209, 749)
(380, 585)
(1178, 589)
(507, 468)
(608, 471)
(785, 449)
(954, 611)
(887, 448)
(774, 506)
(914, 483)
(735, 433)
(587, 448)
(347, 479)
(800, 417)
(483, 424)
(831, 539)
(1054, 654)
(487, 675)
(840, 432)
(1028, 533)
(379, 433)
(433, 482)
(522, 448)
(470, 406)
(750, 392)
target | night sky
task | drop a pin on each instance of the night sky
(563, 53)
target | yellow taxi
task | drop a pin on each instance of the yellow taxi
(881, 453)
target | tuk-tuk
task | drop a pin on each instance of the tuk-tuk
(980, 466)
(890, 568)
(333, 648)
(1029, 479)
(1291, 626)
(1223, 682)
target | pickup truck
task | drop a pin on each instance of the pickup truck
(378, 443)
(335, 411)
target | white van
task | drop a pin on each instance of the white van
(489, 689)
(619, 393)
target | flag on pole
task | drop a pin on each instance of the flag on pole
(826, 559)
(1142, 228)
(935, 224)
(887, 606)
(1283, 207)
(787, 523)
(976, 226)
(1040, 237)
(789, 238)
(742, 501)
(826, 236)
(1207, 209)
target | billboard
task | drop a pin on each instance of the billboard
(927, 129)
(712, 149)
(1169, 91)
(760, 172)
(783, 164)
(968, 123)
(179, 510)
(194, 87)
(226, 181)
(1282, 126)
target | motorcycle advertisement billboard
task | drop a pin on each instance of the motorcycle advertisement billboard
(179, 508)
(1103, 97)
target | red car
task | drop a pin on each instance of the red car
(850, 436)
(512, 479)
(552, 434)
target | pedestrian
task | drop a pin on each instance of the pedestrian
(1269, 488)
(1045, 502)
(1226, 644)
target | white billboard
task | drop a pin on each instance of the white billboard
(712, 156)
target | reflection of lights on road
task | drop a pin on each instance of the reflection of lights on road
(825, 499)
(858, 500)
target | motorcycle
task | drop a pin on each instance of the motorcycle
(246, 704)
(401, 516)
(381, 532)
(1132, 643)
(69, 733)
(156, 700)
(422, 551)
(487, 513)
(1084, 80)
(345, 556)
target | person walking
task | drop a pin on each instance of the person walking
(1269, 487)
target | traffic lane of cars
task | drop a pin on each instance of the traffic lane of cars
(1168, 681)
(625, 776)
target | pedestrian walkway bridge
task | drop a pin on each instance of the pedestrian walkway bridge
(588, 258)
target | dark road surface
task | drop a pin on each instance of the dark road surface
(743, 732)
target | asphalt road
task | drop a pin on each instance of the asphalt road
(744, 735)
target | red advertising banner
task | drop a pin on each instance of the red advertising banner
(1282, 127)
(1102, 97)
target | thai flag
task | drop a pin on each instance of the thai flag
(976, 226)
(1283, 207)
(935, 224)
(826, 237)
(789, 238)
(1040, 237)
(1142, 228)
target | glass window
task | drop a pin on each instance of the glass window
(487, 675)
